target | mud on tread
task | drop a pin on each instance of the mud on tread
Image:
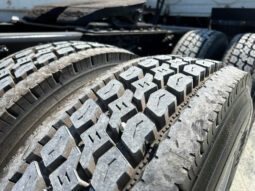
(201, 44)
(114, 162)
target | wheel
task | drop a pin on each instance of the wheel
(202, 44)
(241, 53)
(35, 80)
(153, 123)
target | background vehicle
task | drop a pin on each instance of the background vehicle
(79, 113)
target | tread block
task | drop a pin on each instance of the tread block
(58, 148)
(161, 74)
(163, 58)
(177, 65)
(148, 64)
(143, 88)
(97, 142)
(132, 74)
(80, 46)
(189, 60)
(248, 68)
(121, 110)
(4, 72)
(113, 90)
(26, 59)
(23, 70)
(5, 84)
(60, 45)
(197, 72)
(180, 85)
(23, 53)
(32, 179)
(250, 61)
(39, 47)
(233, 59)
(43, 51)
(112, 171)
(138, 132)
(46, 58)
(66, 177)
(86, 116)
(65, 51)
(6, 63)
(218, 64)
(161, 106)
(209, 66)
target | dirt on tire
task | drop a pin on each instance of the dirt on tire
(150, 124)
(34, 80)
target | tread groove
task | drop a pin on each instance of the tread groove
(121, 141)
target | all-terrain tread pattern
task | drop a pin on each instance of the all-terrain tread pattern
(178, 157)
(241, 53)
(120, 137)
(29, 76)
(193, 42)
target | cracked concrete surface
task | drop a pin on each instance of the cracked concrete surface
(244, 179)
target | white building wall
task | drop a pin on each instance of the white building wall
(199, 7)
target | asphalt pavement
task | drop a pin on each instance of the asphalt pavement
(244, 179)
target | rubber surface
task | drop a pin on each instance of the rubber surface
(130, 124)
(29, 77)
(241, 53)
(202, 44)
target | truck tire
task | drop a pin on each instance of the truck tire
(202, 44)
(34, 80)
(241, 53)
(153, 123)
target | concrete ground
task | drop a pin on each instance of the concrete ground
(244, 179)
